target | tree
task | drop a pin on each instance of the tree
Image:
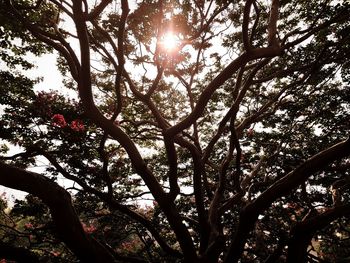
(233, 118)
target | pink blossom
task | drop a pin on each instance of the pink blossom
(55, 253)
(88, 228)
(28, 225)
(77, 125)
(59, 121)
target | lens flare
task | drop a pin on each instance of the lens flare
(169, 42)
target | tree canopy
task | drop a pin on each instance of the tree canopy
(204, 131)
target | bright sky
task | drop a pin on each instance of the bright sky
(52, 80)
(46, 68)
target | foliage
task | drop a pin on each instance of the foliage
(229, 145)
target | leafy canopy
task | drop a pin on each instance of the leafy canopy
(205, 131)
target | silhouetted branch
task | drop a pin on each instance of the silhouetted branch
(63, 213)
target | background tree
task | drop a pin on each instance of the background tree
(205, 131)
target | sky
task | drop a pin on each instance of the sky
(45, 67)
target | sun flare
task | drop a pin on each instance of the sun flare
(169, 41)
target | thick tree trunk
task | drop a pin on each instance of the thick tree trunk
(63, 213)
(280, 188)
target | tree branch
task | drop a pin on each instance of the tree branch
(63, 213)
(98, 10)
(272, 26)
(282, 187)
(85, 92)
(302, 232)
(245, 25)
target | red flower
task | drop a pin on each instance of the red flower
(77, 125)
(28, 225)
(55, 253)
(88, 228)
(59, 121)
